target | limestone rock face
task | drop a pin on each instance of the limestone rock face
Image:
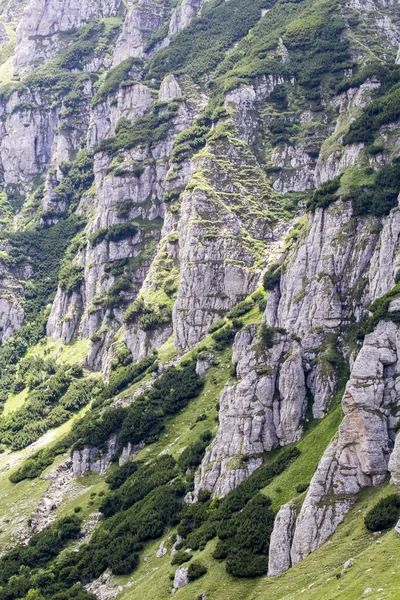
(359, 456)
(181, 578)
(130, 103)
(93, 459)
(264, 409)
(141, 21)
(279, 559)
(183, 14)
(43, 20)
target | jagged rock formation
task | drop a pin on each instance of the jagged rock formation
(180, 146)
(281, 540)
(263, 410)
(38, 33)
(356, 458)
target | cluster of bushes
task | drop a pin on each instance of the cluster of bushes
(144, 419)
(216, 325)
(317, 48)
(379, 198)
(17, 565)
(43, 249)
(193, 454)
(51, 403)
(325, 195)
(148, 316)
(201, 46)
(152, 500)
(88, 42)
(242, 520)
(225, 335)
(128, 374)
(380, 306)
(38, 462)
(148, 130)
(136, 486)
(242, 308)
(114, 233)
(151, 497)
(382, 111)
(70, 277)
(384, 514)
(77, 178)
(114, 78)
(196, 570)
(387, 73)
(266, 335)
(80, 392)
(272, 277)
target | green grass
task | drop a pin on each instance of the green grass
(318, 577)
(15, 401)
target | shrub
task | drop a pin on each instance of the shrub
(241, 309)
(325, 195)
(196, 570)
(384, 514)
(113, 80)
(216, 325)
(70, 277)
(302, 487)
(193, 454)
(266, 335)
(246, 564)
(114, 233)
(181, 557)
(272, 277)
(224, 336)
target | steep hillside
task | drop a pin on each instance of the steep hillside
(199, 299)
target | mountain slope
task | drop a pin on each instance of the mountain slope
(199, 301)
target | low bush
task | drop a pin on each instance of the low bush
(384, 514)
(193, 454)
(216, 325)
(114, 233)
(272, 277)
(70, 277)
(266, 335)
(325, 195)
(196, 570)
(181, 557)
(241, 309)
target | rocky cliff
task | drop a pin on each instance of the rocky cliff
(200, 234)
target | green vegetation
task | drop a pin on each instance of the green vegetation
(381, 112)
(70, 277)
(242, 521)
(114, 78)
(48, 405)
(43, 250)
(272, 277)
(384, 514)
(147, 130)
(325, 195)
(242, 308)
(114, 233)
(201, 46)
(77, 179)
(148, 316)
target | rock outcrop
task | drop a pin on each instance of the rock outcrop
(264, 409)
(281, 540)
(359, 455)
(93, 459)
(38, 33)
